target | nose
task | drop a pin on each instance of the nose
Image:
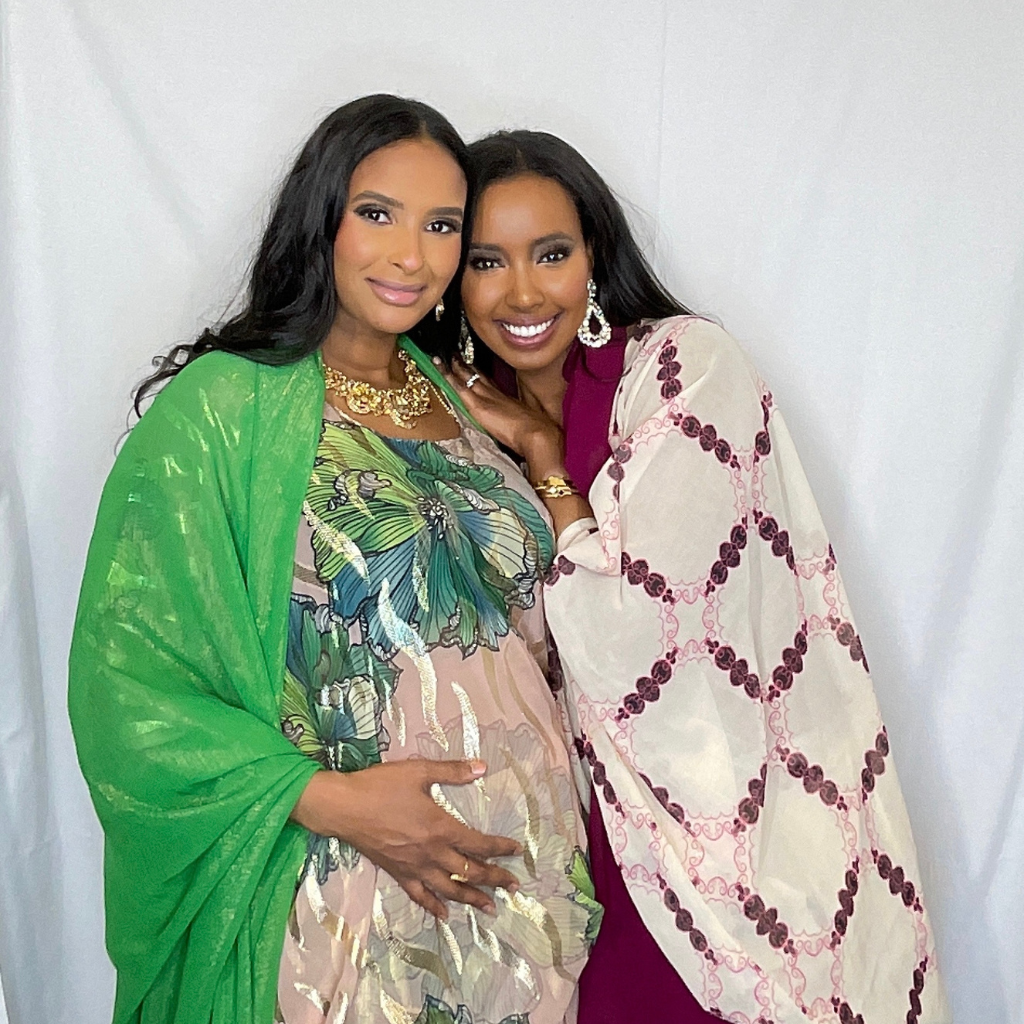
(407, 253)
(524, 293)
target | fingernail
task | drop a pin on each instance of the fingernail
(519, 849)
(514, 888)
(437, 360)
(490, 910)
(477, 767)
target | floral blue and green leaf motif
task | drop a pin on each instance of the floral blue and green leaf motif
(457, 548)
(583, 894)
(435, 1011)
(334, 690)
(332, 705)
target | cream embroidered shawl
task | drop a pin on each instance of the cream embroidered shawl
(723, 705)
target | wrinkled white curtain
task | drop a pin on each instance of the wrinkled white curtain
(840, 184)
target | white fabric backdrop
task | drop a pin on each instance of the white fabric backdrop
(839, 183)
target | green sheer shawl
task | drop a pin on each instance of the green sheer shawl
(176, 673)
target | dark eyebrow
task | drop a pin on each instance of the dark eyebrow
(394, 204)
(557, 236)
(382, 199)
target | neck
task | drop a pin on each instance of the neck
(544, 389)
(363, 353)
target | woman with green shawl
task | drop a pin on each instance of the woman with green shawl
(307, 681)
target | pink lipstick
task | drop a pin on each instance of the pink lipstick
(395, 294)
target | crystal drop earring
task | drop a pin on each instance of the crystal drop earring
(595, 330)
(466, 342)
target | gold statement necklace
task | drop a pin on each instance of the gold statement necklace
(405, 405)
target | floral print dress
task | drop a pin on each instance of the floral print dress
(416, 630)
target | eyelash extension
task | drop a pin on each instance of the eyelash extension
(563, 252)
(454, 226)
(366, 211)
(476, 262)
(381, 215)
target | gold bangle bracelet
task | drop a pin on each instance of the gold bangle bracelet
(556, 487)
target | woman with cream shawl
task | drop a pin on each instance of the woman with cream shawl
(748, 835)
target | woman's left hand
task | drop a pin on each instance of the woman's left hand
(517, 426)
(528, 431)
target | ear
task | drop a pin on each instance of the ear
(590, 258)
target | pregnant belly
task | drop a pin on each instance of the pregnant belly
(368, 945)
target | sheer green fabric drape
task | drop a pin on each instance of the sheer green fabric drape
(175, 676)
(176, 672)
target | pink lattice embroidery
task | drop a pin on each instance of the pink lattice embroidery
(784, 658)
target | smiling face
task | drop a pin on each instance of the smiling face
(399, 241)
(524, 289)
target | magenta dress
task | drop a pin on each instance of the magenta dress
(627, 977)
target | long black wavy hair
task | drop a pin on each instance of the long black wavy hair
(627, 288)
(290, 299)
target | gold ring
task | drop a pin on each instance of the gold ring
(464, 877)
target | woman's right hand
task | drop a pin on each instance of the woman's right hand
(387, 813)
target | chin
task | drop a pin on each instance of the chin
(531, 359)
(397, 321)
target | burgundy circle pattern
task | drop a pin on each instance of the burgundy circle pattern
(751, 963)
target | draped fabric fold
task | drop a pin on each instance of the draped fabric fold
(724, 707)
(175, 680)
(176, 675)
